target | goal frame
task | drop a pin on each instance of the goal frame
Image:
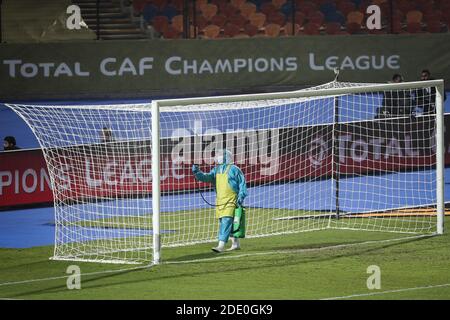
(156, 133)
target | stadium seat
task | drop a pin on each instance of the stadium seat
(353, 27)
(291, 29)
(307, 7)
(333, 28)
(251, 30)
(247, 9)
(362, 7)
(177, 23)
(312, 28)
(199, 4)
(160, 4)
(414, 27)
(258, 19)
(268, 8)
(277, 18)
(258, 3)
(208, 11)
(335, 17)
(237, 3)
(404, 5)
(328, 8)
(434, 26)
(385, 9)
(169, 11)
(160, 23)
(316, 17)
(219, 20)
(171, 33)
(425, 6)
(414, 16)
(446, 17)
(149, 12)
(228, 10)
(200, 22)
(272, 30)
(138, 5)
(231, 30)
(287, 9)
(299, 18)
(357, 2)
(221, 4)
(238, 20)
(178, 4)
(355, 17)
(345, 7)
(435, 15)
(444, 6)
(278, 3)
(396, 27)
(211, 31)
(397, 15)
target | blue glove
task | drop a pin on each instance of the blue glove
(195, 169)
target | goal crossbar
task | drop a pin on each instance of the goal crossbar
(301, 93)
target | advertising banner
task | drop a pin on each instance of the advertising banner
(265, 156)
(131, 69)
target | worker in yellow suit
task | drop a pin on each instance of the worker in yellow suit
(231, 190)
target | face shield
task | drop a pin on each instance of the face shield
(220, 157)
(223, 156)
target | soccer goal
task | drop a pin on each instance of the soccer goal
(340, 155)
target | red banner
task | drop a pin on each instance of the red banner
(94, 171)
(24, 178)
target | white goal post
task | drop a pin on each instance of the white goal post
(337, 156)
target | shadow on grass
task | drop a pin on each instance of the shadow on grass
(212, 268)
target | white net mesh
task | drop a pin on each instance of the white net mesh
(361, 161)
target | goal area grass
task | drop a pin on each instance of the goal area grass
(309, 265)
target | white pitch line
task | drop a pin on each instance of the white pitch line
(387, 291)
(63, 277)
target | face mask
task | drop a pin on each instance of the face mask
(220, 157)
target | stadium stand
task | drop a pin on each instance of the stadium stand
(143, 19)
(315, 17)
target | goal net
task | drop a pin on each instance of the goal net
(341, 155)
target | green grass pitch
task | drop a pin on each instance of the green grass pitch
(308, 265)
